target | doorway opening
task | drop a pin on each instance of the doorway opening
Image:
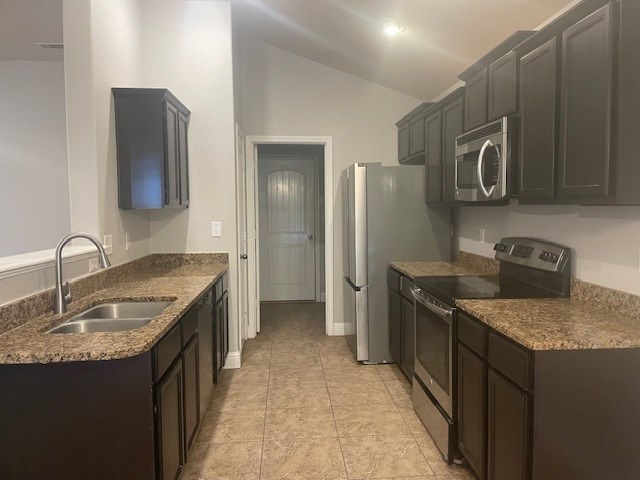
(290, 224)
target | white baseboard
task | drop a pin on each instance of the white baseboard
(338, 329)
(233, 360)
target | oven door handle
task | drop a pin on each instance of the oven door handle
(486, 192)
(424, 301)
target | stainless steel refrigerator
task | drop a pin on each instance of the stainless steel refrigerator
(385, 219)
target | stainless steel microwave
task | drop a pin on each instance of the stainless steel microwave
(483, 161)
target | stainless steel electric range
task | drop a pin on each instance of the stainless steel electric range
(529, 268)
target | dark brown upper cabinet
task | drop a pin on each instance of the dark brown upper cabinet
(491, 84)
(578, 106)
(586, 98)
(443, 123)
(152, 148)
(536, 159)
(475, 101)
(411, 136)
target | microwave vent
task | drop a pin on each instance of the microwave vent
(491, 129)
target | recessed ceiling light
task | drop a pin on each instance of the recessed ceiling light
(392, 28)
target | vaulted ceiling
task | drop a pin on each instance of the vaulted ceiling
(442, 37)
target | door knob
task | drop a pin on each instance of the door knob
(310, 237)
(244, 256)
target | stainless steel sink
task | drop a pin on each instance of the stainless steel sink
(123, 310)
(112, 317)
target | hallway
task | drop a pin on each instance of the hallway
(301, 407)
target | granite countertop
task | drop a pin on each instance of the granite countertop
(438, 269)
(182, 284)
(556, 324)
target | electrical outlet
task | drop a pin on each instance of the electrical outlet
(482, 232)
(127, 241)
(216, 229)
(93, 265)
(107, 243)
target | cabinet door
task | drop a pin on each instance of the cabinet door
(585, 113)
(169, 424)
(183, 157)
(205, 349)
(502, 99)
(395, 325)
(508, 430)
(475, 101)
(225, 327)
(218, 313)
(171, 168)
(403, 142)
(471, 408)
(433, 160)
(408, 336)
(536, 161)
(452, 116)
(191, 373)
(416, 135)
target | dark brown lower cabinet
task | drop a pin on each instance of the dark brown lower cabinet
(408, 337)
(508, 430)
(472, 382)
(395, 325)
(221, 334)
(191, 372)
(169, 425)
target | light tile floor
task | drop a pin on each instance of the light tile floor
(301, 407)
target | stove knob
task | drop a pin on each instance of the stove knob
(553, 257)
(500, 247)
(544, 256)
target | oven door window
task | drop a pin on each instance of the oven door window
(433, 346)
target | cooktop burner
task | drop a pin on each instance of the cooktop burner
(447, 289)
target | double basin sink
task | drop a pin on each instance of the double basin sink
(112, 317)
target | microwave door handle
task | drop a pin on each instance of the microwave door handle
(486, 192)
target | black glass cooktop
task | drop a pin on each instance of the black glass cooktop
(447, 289)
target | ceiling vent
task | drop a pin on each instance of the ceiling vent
(57, 46)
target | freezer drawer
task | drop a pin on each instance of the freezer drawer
(356, 320)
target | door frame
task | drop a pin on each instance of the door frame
(253, 231)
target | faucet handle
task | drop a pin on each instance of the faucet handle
(67, 295)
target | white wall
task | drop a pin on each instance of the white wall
(284, 94)
(103, 49)
(187, 49)
(34, 185)
(605, 241)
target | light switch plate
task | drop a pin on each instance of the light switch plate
(216, 229)
(107, 243)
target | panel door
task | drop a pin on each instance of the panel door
(403, 142)
(169, 424)
(452, 126)
(395, 325)
(191, 373)
(416, 135)
(471, 409)
(183, 158)
(287, 236)
(475, 101)
(586, 103)
(502, 100)
(433, 161)
(536, 161)
(508, 430)
(171, 168)
(408, 337)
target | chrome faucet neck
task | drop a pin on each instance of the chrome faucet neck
(61, 298)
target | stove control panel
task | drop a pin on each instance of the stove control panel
(533, 253)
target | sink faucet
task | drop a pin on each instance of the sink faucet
(61, 298)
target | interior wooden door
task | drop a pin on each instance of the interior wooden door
(287, 223)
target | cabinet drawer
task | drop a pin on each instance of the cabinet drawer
(166, 351)
(190, 323)
(472, 333)
(511, 360)
(393, 279)
(406, 285)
